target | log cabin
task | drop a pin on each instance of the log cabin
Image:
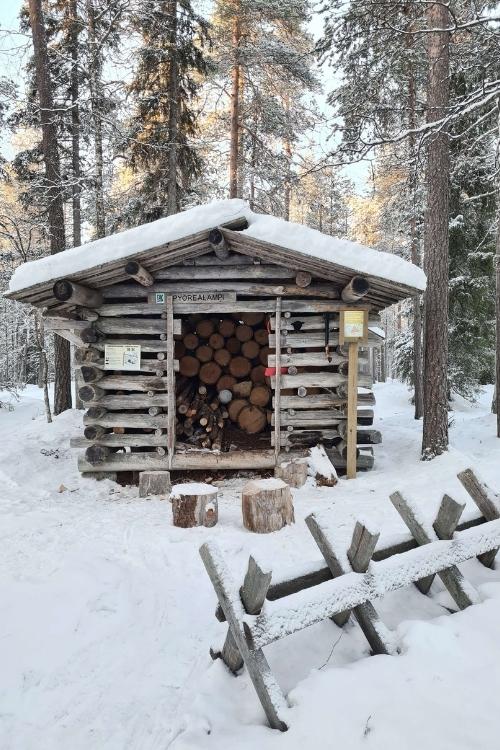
(219, 338)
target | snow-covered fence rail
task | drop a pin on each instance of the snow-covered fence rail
(255, 621)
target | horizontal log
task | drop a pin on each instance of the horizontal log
(96, 454)
(311, 380)
(139, 273)
(121, 441)
(91, 374)
(119, 309)
(312, 340)
(84, 313)
(142, 383)
(314, 359)
(246, 271)
(210, 259)
(314, 322)
(136, 326)
(366, 399)
(58, 324)
(89, 335)
(124, 419)
(312, 573)
(148, 346)
(145, 365)
(130, 401)
(76, 294)
(314, 401)
(190, 460)
(93, 431)
(313, 418)
(304, 437)
(310, 359)
(368, 437)
(217, 242)
(90, 392)
(306, 359)
(239, 306)
(364, 461)
(357, 288)
(124, 291)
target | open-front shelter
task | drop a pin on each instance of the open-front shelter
(153, 311)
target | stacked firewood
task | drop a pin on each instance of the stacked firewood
(222, 363)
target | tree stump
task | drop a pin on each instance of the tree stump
(266, 505)
(294, 473)
(194, 504)
(154, 483)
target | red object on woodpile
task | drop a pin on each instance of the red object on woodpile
(271, 371)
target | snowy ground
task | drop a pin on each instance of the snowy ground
(107, 613)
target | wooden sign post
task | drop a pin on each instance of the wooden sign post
(353, 331)
(169, 309)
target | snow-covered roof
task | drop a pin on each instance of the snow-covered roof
(301, 240)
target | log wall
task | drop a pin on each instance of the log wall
(312, 407)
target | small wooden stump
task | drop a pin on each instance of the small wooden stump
(294, 473)
(194, 504)
(154, 483)
(266, 505)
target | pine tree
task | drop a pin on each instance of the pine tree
(263, 58)
(54, 200)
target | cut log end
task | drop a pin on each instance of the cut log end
(357, 288)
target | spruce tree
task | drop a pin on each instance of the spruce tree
(171, 66)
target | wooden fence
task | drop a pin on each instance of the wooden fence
(355, 581)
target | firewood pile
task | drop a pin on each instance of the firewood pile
(221, 380)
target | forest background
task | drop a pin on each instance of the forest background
(370, 120)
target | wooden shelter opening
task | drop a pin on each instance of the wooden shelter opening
(223, 391)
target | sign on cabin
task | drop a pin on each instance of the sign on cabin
(122, 357)
(353, 326)
(160, 297)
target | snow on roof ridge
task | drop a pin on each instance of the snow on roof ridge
(293, 236)
(343, 252)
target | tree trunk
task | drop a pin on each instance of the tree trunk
(435, 427)
(75, 124)
(288, 182)
(62, 395)
(415, 251)
(173, 87)
(235, 106)
(496, 405)
(76, 188)
(43, 366)
(96, 101)
(382, 364)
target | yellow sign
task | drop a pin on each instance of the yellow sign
(353, 326)
(122, 357)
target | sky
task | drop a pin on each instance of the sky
(11, 65)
